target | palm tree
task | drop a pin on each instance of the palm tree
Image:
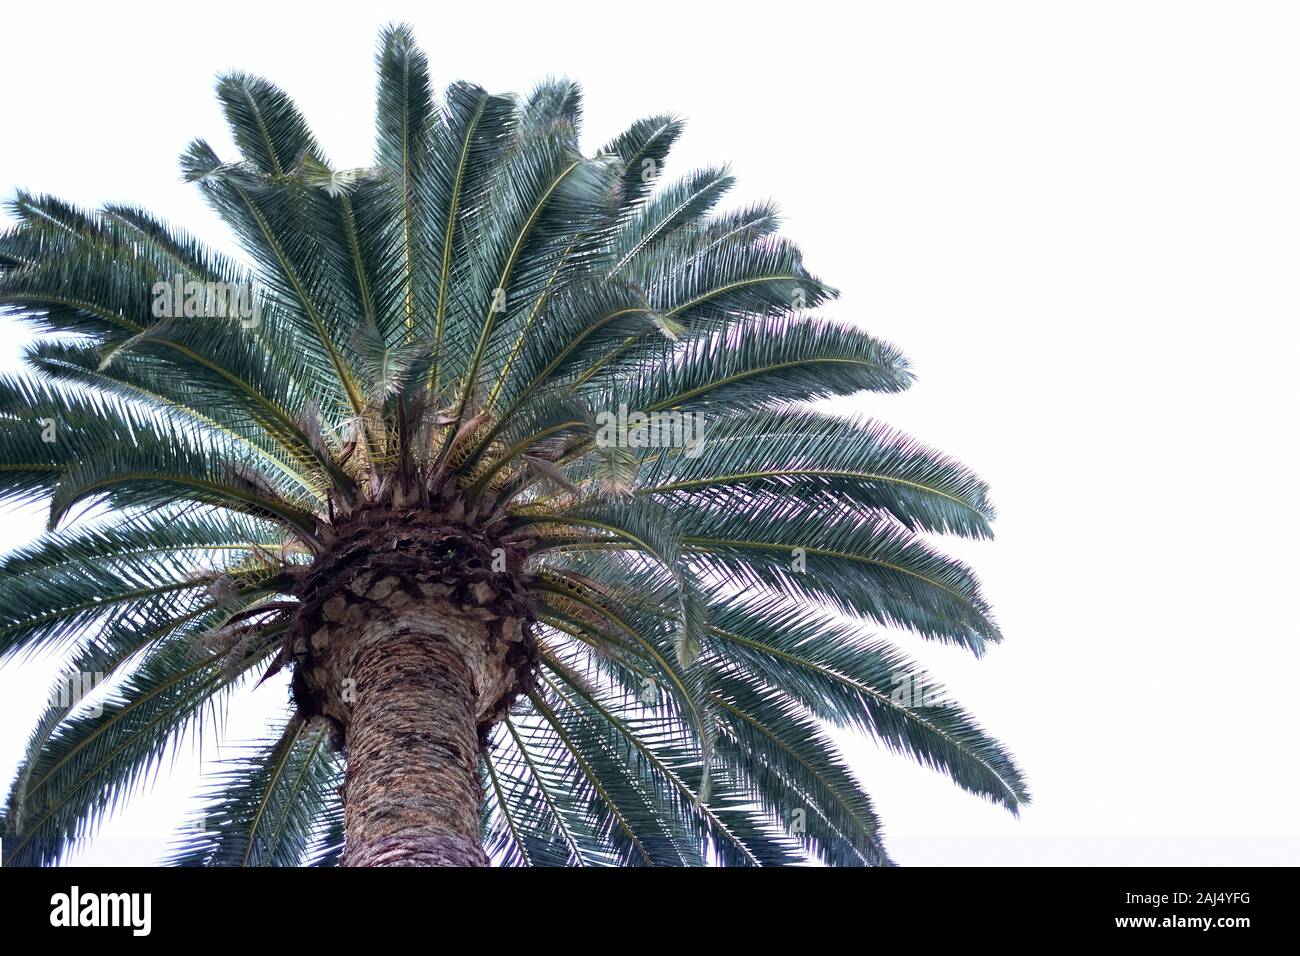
(504, 454)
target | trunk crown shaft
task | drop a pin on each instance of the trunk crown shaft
(395, 575)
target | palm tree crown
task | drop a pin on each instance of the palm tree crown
(548, 389)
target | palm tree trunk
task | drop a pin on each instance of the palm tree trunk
(410, 641)
(412, 792)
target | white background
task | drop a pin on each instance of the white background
(1081, 221)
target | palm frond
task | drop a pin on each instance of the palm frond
(267, 806)
(92, 762)
(858, 464)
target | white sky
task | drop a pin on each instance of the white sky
(1081, 222)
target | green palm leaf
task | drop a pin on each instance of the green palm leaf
(270, 805)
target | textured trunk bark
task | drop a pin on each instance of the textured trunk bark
(412, 792)
(411, 639)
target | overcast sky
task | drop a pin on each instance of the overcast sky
(1081, 222)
